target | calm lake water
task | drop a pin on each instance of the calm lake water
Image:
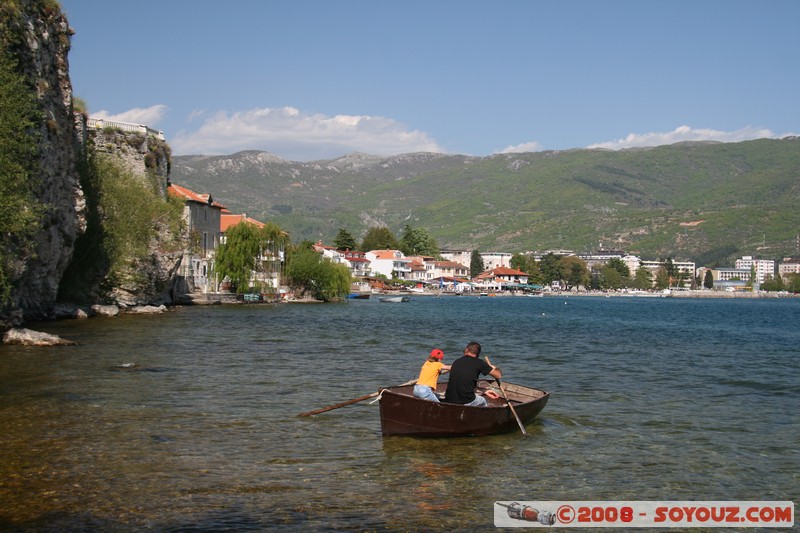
(652, 399)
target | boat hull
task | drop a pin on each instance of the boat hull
(404, 414)
(395, 299)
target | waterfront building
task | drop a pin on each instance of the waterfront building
(789, 265)
(495, 260)
(422, 268)
(463, 257)
(450, 269)
(686, 268)
(762, 267)
(203, 223)
(390, 263)
(601, 257)
(502, 276)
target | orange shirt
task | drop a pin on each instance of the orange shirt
(429, 374)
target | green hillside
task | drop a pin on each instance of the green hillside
(708, 201)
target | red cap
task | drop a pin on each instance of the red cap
(437, 353)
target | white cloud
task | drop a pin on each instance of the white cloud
(298, 136)
(687, 133)
(531, 146)
(149, 116)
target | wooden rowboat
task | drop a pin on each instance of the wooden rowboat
(404, 414)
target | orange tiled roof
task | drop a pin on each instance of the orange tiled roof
(500, 271)
(505, 271)
(450, 264)
(187, 194)
(385, 254)
(228, 219)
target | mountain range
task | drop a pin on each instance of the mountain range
(701, 201)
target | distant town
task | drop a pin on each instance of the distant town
(500, 273)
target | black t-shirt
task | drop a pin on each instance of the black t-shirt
(463, 374)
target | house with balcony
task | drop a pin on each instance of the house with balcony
(270, 261)
(202, 216)
(390, 263)
(357, 262)
(499, 278)
(422, 268)
(450, 269)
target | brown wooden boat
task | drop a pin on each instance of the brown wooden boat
(404, 414)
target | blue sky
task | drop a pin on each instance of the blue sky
(310, 80)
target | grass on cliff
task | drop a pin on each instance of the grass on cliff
(20, 212)
(128, 220)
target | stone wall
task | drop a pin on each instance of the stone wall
(142, 154)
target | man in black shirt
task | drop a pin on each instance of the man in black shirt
(464, 374)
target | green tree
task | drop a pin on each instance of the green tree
(529, 265)
(308, 271)
(671, 272)
(379, 238)
(519, 261)
(20, 212)
(792, 283)
(643, 279)
(574, 271)
(662, 278)
(611, 278)
(417, 241)
(476, 265)
(550, 268)
(708, 280)
(344, 240)
(247, 251)
(620, 266)
(773, 284)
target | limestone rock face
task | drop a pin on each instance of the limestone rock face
(43, 58)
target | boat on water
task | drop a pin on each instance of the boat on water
(395, 299)
(358, 296)
(404, 414)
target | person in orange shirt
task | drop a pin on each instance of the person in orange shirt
(425, 387)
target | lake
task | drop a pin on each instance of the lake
(652, 399)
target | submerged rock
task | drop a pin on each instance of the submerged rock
(28, 337)
(147, 309)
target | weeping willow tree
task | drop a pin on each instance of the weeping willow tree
(309, 272)
(251, 256)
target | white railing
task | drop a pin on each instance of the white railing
(101, 123)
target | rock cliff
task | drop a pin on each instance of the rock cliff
(41, 51)
(37, 35)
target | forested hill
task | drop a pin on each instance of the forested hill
(702, 201)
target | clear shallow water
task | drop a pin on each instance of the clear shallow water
(662, 399)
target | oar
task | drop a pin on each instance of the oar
(348, 402)
(513, 411)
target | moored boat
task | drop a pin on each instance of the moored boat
(395, 299)
(358, 296)
(404, 414)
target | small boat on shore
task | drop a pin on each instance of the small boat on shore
(404, 414)
(395, 299)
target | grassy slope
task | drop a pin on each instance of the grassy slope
(681, 200)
